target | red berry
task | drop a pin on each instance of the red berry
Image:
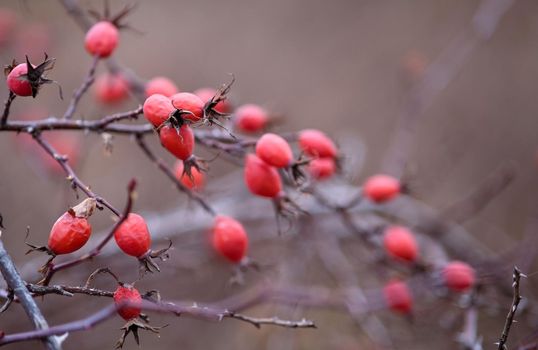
(161, 85)
(33, 39)
(322, 168)
(133, 236)
(207, 94)
(157, 109)
(198, 177)
(190, 104)
(102, 39)
(261, 178)
(180, 144)
(458, 276)
(400, 243)
(17, 84)
(317, 144)
(126, 293)
(110, 89)
(381, 188)
(251, 118)
(229, 238)
(398, 297)
(68, 234)
(274, 150)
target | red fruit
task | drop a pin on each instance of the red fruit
(400, 243)
(251, 118)
(198, 177)
(157, 109)
(191, 105)
(161, 85)
(17, 84)
(33, 39)
(398, 297)
(322, 168)
(458, 276)
(229, 238)
(102, 39)
(133, 236)
(317, 144)
(180, 144)
(110, 89)
(207, 94)
(68, 234)
(381, 188)
(126, 293)
(274, 150)
(261, 178)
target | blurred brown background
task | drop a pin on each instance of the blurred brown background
(339, 66)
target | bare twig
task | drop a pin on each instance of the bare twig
(7, 106)
(512, 312)
(77, 95)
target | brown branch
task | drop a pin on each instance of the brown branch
(7, 106)
(512, 312)
(77, 95)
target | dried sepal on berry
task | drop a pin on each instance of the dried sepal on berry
(212, 114)
(132, 326)
(26, 79)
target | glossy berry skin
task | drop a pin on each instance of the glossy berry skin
(188, 102)
(111, 89)
(261, 178)
(161, 85)
(322, 168)
(398, 297)
(198, 177)
(102, 39)
(126, 293)
(206, 94)
(229, 238)
(251, 118)
(133, 236)
(180, 145)
(400, 243)
(458, 276)
(16, 84)
(274, 150)
(381, 188)
(157, 109)
(316, 144)
(69, 234)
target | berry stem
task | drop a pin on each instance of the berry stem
(7, 106)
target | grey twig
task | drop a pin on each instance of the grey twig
(7, 106)
(512, 312)
(77, 95)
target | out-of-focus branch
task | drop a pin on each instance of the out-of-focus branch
(77, 95)
(512, 312)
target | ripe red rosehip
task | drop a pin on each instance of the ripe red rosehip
(229, 238)
(400, 243)
(190, 104)
(17, 84)
(126, 293)
(398, 297)
(133, 236)
(206, 94)
(261, 178)
(157, 109)
(68, 234)
(161, 85)
(251, 118)
(458, 276)
(274, 150)
(198, 177)
(316, 144)
(322, 168)
(102, 39)
(111, 89)
(381, 188)
(179, 144)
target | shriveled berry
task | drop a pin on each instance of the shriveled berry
(206, 94)
(190, 106)
(102, 39)
(179, 143)
(261, 178)
(161, 85)
(316, 144)
(251, 118)
(381, 188)
(322, 168)
(128, 294)
(398, 297)
(111, 88)
(458, 276)
(68, 234)
(229, 238)
(198, 177)
(133, 236)
(157, 109)
(19, 85)
(400, 243)
(274, 150)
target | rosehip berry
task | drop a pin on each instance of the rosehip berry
(180, 144)
(157, 109)
(102, 39)
(229, 238)
(206, 94)
(322, 168)
(133, 236)
(68, 234)
(400, 243)
(261, 178)
(316, 144)
(198, 177)
(19, 85)
(381, 188)
(458, 276)
(190, 106)
(161, 85)
(251, 118)
(274, 150)
(127, 293)
(111, 89)
(398, 297)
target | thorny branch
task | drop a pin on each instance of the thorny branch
(512, 312)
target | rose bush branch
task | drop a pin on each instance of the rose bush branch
(516, 277)
(77, 95)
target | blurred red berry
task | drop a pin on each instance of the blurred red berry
(33, 39)
(251, 118)
(8, 20)
(381, 188)
(128, 294)
(207, 94)
(190, 104)
(17, 84)
(398, 297)
(111, 89)
(261, 178)
(179, 143)
(274, 150)
(229, 238)
(322, 168)
(102, 39)
(400, 243)
(198, 177)
(68, 234)
(133, 236)
(161, 85)
(157, 109)
(316, 144)
(458, 276)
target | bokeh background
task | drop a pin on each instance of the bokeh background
(345, 67)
